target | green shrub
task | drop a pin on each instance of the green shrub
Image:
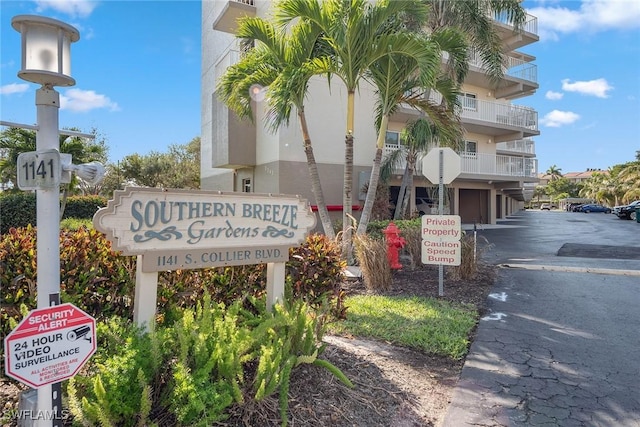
(192, 371)
(17, 210)
(93, 277)
(315, 273)
(83, 207)
(17, 274)
(73, 224)
(102, 283)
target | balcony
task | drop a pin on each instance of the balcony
(513, 39)
(503, 121)
(484, 166)
(499, 165)
(228, 12)
(520, 76)
(521, 146)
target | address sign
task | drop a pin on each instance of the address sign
(183, 229)
(38, 169)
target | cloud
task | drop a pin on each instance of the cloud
(598, 87)
(591, 16)
(554, 96)
(75, 8)
(556, 118)
(85, 100)
(14, 88)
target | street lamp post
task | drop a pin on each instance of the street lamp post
(46, 59)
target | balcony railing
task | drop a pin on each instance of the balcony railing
(483, 164)
(527, 146)
(530, 25)
(499, 165)
(522, 70)
(514, 67)
(499, 113)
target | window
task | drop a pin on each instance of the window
(392, 138)
(469, 101)
(246, 185)
(470, 148)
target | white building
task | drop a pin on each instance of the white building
(499, 165)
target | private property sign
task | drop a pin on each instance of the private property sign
(441, 239)
(50, 345)
(182, 229)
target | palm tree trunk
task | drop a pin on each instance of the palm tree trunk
(373, 179)
(401, 203)
(316, 187)
(411, 167)
(347, 201)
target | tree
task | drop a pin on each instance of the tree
(554, 172)
(284, 63)
(179, 168)
(538, 192)
(418, 137)
(399, 79)
(561, 188)
(629, 179)
(14, 141)
(599, 187)
(356, 33)
(475, 19)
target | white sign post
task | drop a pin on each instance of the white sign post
(50, 345)
(184, 229)
(441, 165)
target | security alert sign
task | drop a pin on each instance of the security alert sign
(50, 345)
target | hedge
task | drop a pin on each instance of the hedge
(19, 209)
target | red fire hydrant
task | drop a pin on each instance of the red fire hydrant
(394, 243)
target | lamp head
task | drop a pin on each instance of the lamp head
(46, 49)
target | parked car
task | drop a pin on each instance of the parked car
(616, 209)
(629, 211)
(593, 207)
(545, 207)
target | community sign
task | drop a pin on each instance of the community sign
(50, 345)
(185, 229)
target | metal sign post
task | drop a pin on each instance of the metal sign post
(436, 160)
(440, 212)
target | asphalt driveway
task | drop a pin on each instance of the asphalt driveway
(560, 344)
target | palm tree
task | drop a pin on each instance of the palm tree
(629, 178)
(393, 75)
(475, 19)
(418, 137)
(356, 33)
(284, 63)
(554, 172)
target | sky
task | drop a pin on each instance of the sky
(137, 72)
